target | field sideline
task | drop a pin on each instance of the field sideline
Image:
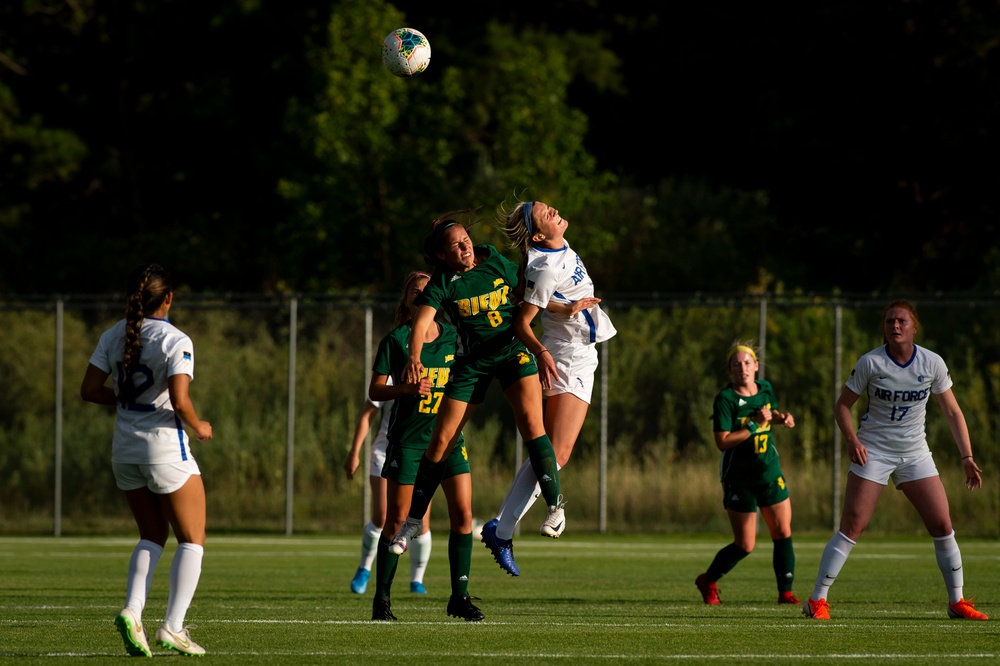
(587, 598)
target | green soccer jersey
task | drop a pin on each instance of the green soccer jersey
(411, 422)
(478, 302)
(756, 457)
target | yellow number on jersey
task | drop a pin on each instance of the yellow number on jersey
(430, 404)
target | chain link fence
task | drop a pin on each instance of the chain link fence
(309, 356)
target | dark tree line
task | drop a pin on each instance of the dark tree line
(260, 146)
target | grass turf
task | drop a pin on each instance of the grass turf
(586, 598)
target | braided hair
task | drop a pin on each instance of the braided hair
(147, 287)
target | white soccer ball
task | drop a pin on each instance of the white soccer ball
(406, 52)
(477, 528)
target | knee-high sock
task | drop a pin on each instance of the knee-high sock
(949, 559)
(543, 461)
(784, 564)
(724, 561)
(369, 542)
(832, 561)
(185, 570)
(385, 568)
(521, 496)
(460, 562)
(429, 476)
(141, 567)
(420, 555)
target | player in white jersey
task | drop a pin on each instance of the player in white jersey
(890, 443)
(557, 284)
(420, 546)
(152, 364)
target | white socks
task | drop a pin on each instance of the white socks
(834, 556)
(949, 559)
(420, 555)
(369, 542)
(141, 567)
(522, 494)
(185, 570)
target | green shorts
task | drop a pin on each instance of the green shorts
(401, 462)
(471, 377)
(745, 495)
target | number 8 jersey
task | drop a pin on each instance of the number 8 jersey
(477, 302)
(147, 431)
(895, 420)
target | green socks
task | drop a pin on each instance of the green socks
(784, 564)
(459, 562)
(543, 461)
(724, 561)
(429, 476)
(385, 568)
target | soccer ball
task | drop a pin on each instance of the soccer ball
(477, 528)
(406, 52)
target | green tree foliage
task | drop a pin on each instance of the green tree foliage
(388, 155)
(260, 145)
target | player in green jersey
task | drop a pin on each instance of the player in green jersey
(411, 422)
(744, 416)
(472, 286)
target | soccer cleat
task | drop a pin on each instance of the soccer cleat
(965, 610)
(416, 587)
(410, 528)
(709, 591)
(462, 607)
(129, 626)
(180, 641)
(360, 581)
(817, 609)
(502, 549)
(555, 523)
(788, 598)
(380, 609)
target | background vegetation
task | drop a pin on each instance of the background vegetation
(664, 369)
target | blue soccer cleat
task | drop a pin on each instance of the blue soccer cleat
(502, 549)
(360, 581)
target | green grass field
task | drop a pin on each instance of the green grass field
(587, 598)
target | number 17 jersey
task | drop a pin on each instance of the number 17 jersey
(895, 421)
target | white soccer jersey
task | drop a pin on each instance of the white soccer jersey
(381, 440)
(560, 276)
(895, 422)
(147, 430)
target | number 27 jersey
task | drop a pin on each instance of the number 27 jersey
(896, 417)
(411, 422)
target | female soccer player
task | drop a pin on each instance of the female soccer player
(153, 364)
(556, 283)
(890, 443)
(473, 286)
(410, 428)
(744, 416)
(420, 546)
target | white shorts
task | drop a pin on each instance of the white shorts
(162, 479)
(379, 445)
(881, 467)
(576, 364)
